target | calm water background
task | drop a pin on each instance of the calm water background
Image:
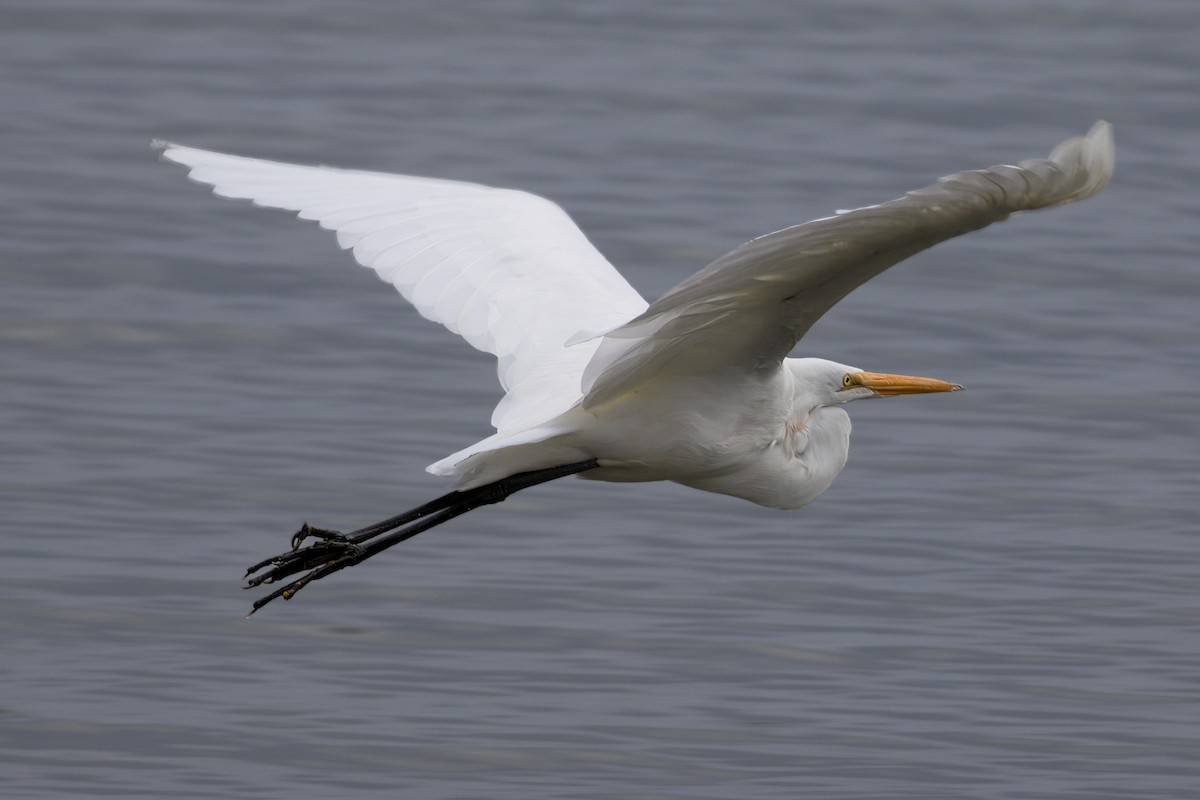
(1000, 598)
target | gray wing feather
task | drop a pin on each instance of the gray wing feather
(750, 307)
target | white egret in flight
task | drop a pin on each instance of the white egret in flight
(695, 388)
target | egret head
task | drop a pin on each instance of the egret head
(818, 382)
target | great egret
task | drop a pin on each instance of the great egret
(695, 388)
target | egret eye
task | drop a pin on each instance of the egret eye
(847, 381)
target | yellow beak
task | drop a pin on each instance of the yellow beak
(885, 385)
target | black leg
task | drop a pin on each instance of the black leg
(334, 551)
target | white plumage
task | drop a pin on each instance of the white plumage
(506, 270)
(697, 387)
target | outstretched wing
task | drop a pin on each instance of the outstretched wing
(749, 308)
(507, 270)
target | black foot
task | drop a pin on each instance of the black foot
(298, 559)
(333, 550)
(294, 558)
(332, 559)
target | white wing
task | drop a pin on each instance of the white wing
(507, 270)
(750, 307)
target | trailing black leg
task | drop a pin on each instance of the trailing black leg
(334, 551)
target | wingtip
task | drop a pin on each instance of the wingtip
(1099, 146)
(1100, 149)
(165, 150)
(1091, 156)
(1101, 131)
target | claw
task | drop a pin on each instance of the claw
(250, 571)
(307, 531)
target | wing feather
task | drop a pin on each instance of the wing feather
(507, 270)
(749, 308)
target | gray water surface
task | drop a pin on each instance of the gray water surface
(997, 599)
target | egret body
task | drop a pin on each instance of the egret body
(696, 388)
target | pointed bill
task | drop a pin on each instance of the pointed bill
(885, 385)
